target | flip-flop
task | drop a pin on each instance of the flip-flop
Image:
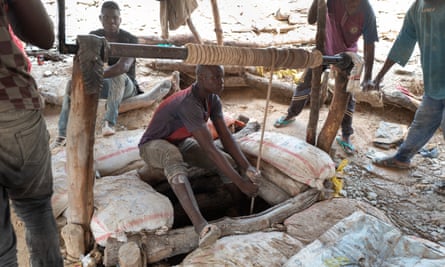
(439, 188)
(209, 234)
(391, 162)
(283, 122)
(347, 147)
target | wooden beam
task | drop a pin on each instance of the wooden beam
(315, 103)
(217, 21)
(79, 147)
(336, 113)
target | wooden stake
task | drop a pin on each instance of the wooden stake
(336, 113)
(79, 150)
(217, 20)
(311, 131)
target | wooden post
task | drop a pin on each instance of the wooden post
(86, 84)
(217, 21)
(336, 113)
(311, 131)
(130, 255)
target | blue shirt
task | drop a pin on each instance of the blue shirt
(424, 24)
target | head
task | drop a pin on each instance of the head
(352, 5)
(110, 16)
(210, 78)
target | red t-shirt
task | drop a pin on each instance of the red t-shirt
(180, 114)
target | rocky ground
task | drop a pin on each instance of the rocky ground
(407, 197)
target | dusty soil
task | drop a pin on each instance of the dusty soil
(407, 197)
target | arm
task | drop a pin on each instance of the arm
(31, 23)
(386, 67)
(205, 141)
(122, 66)
(369, 51)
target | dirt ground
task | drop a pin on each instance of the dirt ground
(407, 197)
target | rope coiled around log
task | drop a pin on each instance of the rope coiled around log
(229, 55)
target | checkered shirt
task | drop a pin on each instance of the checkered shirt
(18, 89)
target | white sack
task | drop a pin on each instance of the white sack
(364, 240)
(299, 160)
(59, 199)
(125, 204)
(116, 152)
(256, 249)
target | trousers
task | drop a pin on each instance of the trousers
(26, 182)
(114, 90)
(429, 117)
(301, 98)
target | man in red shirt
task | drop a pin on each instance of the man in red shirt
(178, 135)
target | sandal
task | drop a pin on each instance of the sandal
(59, 142)
(283, 122)
(347, 147)
(391, 162)
(439, 188)
(209, 234)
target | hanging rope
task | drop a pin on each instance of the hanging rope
(243, 56)
(273, 53)
(269, 89)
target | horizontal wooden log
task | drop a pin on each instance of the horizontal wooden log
(182, 39)
(172, 65)
(280, 91)
(183, 240)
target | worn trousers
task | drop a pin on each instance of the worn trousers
(114, 90)
(26, 182)
(165, 158)
(301, 98)
(429, 117)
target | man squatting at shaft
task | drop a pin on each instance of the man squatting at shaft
(178, 136)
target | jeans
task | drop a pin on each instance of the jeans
(428, 118)
(162, 156)
(123, 88)
(26, 180)
(301, 97)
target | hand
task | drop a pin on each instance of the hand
(253, 174)
(368, 85)
(249, 188)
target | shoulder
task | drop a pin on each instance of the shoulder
(367, 8)
(99, 32)
(127, 37)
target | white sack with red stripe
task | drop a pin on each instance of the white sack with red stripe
(125, 204)
(294, 157)
(114, 153)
